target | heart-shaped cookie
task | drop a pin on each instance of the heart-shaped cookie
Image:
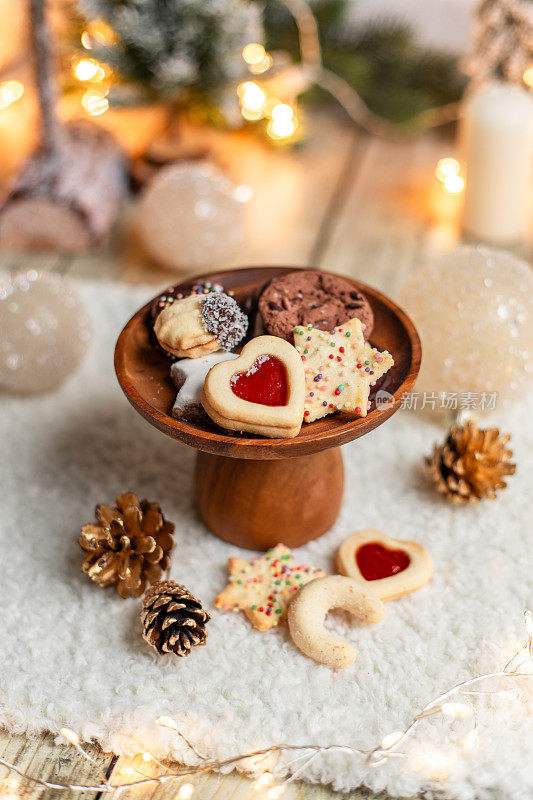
(262, 391)
(391, 567)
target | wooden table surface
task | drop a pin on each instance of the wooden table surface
(344, 202)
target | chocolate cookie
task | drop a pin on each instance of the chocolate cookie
(312, 298)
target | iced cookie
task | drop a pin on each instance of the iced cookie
(189, 376)
(261, 392)
(308, 611)
(263, 587)
(309, 297)
(200, 324)
(391, 567)
(340, 368)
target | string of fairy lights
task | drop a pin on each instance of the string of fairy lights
(454, 703)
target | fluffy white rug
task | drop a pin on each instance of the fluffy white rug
(71, 654)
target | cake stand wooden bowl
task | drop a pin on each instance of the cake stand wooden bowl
(251, 491)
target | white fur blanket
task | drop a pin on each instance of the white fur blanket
(71, 654)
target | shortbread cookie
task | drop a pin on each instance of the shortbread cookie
(308, 611)
(391, 567)
(340, 368)
(310, 297)
(200, 324)
(189, 375)
(260, 392)
(263, 587)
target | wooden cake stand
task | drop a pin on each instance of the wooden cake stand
(251, 491)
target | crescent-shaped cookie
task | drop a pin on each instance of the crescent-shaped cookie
(308, 611)
(390, 567)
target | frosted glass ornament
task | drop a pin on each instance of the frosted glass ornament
(44, 331)
(473, 309)
(191, 216)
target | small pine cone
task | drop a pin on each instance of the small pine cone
(471, 464)
(173, 619)
(128, 547)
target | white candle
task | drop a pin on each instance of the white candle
(497, 149)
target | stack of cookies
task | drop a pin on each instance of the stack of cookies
(311, 359)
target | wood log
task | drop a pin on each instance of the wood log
(67, 198)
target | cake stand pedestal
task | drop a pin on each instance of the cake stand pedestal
(251, 491)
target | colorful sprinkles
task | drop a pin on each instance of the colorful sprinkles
(338, 372)
(263, 587)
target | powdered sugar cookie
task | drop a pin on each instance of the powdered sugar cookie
(340, 368)
(390, 567)
(263, 586)
(189, 376)
(262, 391)
(308, 610)
(200, 324)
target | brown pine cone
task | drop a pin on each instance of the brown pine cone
(173, 619)
(471, 463)
(128, 546)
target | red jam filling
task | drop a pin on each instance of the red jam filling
(375, 561)
(265, 382)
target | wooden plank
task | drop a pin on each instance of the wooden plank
(44, 759)
(395, 215)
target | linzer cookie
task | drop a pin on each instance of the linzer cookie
(309, 297)
(262, 391)
(198, 325)
(340, 368)
(390, 567)
(263, 587)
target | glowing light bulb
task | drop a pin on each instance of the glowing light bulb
(446, 167)
(147, 757)
(454, 184)
(86, 69)
(456, 710)
(527, 77)
(263, 780)
(167, 722)
(275, 792)
(391, 739)
(253, 53)
(70, 736)
(281, 128)
(95, 103)
(282, 111)
(185, 792)
(10, 92)
(252, 97)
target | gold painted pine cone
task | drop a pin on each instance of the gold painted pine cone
(471, 464)
(128, 546)
(173, 619)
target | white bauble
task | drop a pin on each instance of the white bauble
(473, 309)
(44, 331)
(191, 216)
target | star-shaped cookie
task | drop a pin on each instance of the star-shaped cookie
(340, 368)
(263, 587)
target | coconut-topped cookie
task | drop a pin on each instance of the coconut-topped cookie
(200, 324)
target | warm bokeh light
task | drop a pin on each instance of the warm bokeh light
(10, 92)
(283, 124)
(88, 70)
(95, 103)
(86, 40)
(185, 792)
(252, 97)
(454, 184)
(262, 66)
(446, 167)
(253, 53)
(527, 77)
